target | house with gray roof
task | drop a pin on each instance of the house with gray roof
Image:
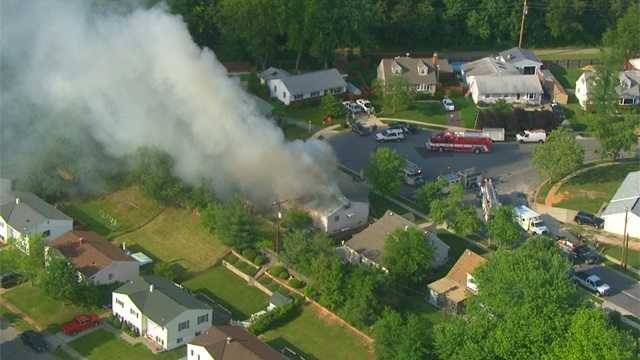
(230, 343)
(422, 74)
(624, 207)
(296, 88)
(522, 59)
(513, 89)
(628, 90)
(23, 214)
(367, 246)
(161, 311)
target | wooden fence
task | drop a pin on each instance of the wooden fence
(572, 64)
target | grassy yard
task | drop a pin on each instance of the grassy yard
(379, 205)
(102, 344)
(305, 113)
(47, 312)
(566, 77)
(14, 319)
(292, 132)
(317, 338)
(576, 116)
(616, 252)
(544, 191)
(177, 235)
(589, 190)
(116, 212)
(62, 355)
(230, 291)
(433, 112)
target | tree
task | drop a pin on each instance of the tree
(591, 337)
(362, 304)
(254, 86)
(614, 132)
(621, 40)
(60, 280)
(331, 106)
(430, 192)
(327, 278)
(396, 95)
(152, 168)
(200, 18)
(503, 229)
(166, 270)
(300, 248)
(385, 171)
(398, 338)
(297, 219)
(232, 222)
(559, 156)
(465, 220)
(407, 255)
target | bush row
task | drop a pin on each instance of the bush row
(278, 316)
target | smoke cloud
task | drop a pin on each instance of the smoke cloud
(137, 79)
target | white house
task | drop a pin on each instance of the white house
(23, 214)
(367, 246)
(624, 206)
(513, 89)
(229, 342)
(272, 73)
(628, 89)
(161, 311)
(95, 258)
(312, 85)
(522, 59)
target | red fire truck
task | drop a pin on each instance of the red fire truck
(475, 142)
(80, 323)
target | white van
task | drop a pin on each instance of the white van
(390, 135)
(529, 220)
(532, 136)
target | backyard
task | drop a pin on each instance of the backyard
(566, 77)
(14, 319)
(102, 344)
(230, 291)
(317, 338)
(591, 189)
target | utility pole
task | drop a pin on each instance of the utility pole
(278, 207)
(625, 240)
(524, 14)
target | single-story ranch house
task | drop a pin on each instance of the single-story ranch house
(295, 88)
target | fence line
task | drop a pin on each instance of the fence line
(572, 64)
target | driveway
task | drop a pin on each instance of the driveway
(625, 291)
(11, 347)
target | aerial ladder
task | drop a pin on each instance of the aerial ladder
(489, 197)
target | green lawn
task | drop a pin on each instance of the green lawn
(589, 190)
(544, 191)
(292, 132)
(317, 338)
(47, 312)
(102, 344)
(230, 291)
(62, 355)
(177, 236)
(14, 319)
(433, 112)
(576, 116)
(305, 113)
(616, 252)
(379, 205)
(566, 77)
(116, 212)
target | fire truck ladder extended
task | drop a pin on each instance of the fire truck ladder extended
(489, 197)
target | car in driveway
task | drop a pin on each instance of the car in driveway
(10, 279)
(448, 104)
(585, 218)
(360, 129)
(365, 105)
(390, 135)
(35, 341)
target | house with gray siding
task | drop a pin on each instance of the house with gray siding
(421, 74)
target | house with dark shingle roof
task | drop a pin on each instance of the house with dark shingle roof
(161, 311)
(422, 74)
(94, 257)
(229, 342)
(624, 206)
(23, 214)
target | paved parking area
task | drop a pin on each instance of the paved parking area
(11, 347)
(625, 291)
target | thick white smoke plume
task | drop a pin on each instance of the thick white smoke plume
(139, 80)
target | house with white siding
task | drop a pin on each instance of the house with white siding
(513, 89)
(624, 207)
(23, 214)
(96, 259)
(628, 89)
(228, 342)
(161, 311)
(289, 88)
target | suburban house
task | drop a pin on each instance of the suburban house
(422, 74)
(23, 214)
(295, 88)
(513, 89)
(367, 246)
(229, 342)
(624, 207)
(522, 59)
(458, 284)
(161, 311)
(628, 90)
(237, 69)
(553, 88)
(96, 258)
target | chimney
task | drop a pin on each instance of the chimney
(407, 54)
(151, 288)
(17, 201)
(229, 339)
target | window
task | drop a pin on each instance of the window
(336, 218)
(315, 94)
(191, 352)
(297, 97)
(110, 276)
(198, 333)
(46, 233)
(531, 96)
(134, 313)
(119, 302)
(183, 325)
(178, 340)
(203, 318)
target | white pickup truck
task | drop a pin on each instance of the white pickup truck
(592, 283)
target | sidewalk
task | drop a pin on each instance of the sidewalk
(19, 312)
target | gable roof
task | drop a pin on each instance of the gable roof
(488, 66)
(237, 67)
(88, 252)
(517, 54)
(25, 211)
(164, 303)
(313, 81)
(632, 78)
(508, 84)
(227, 342)
(370, 241)
(626, 197)
(409, 66)
(273, 73)
(454, 284)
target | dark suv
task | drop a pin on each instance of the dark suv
(35, 341)
(9, 279)
(585, 218)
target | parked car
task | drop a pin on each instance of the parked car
(587, 255)
(390, 135)
(585, 218)
(365, 105)
(592, 283)
(360, 129)
(448, 104)
(80, 323)
(351, 106)
(10, 279)
(35, 341)
(412, 174)
(532, 136)
(407, 129)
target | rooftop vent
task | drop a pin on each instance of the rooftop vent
(17, 201)
(229, 339)
(151, 288)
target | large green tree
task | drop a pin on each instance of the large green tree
(503, 229)
(232, 222)
(327, 279)
(362, 305)
(445, 205)
(559, 156)
(331, 106)
(408, 256)
(398, 338)
(396, 95)
(60, 280)
(385, 170)
(153, 169)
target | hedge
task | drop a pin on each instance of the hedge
(276, 317)
(296, 284)
(277, 269)
(260, 260)
(249, 254)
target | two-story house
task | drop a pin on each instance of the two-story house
(23, 214)
(227, 342)
(421, 74)
(628, 89)
(161, 311)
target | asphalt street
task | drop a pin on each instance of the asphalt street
(12, 348)
(625, 291)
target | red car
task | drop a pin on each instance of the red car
(81, 323)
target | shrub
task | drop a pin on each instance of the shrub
(231, 259)
(284, 275)
(249, 254)
(260, 260)
(296, 284)
(278, 316)
(276, 270)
